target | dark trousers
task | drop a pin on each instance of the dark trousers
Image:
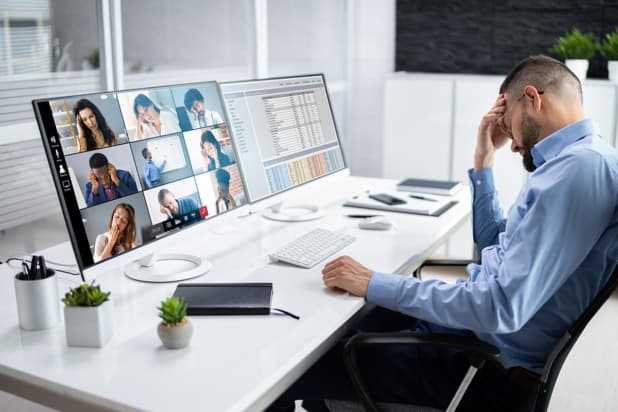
(414, 375)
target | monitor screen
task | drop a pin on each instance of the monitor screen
(134, 166)
(284, 130)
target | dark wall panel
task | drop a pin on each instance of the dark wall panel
(475, 36)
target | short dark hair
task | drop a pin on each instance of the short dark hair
(144, 101)
(542, 72)
(193, 95)
(98, 160)
(162, 194)
(223, 176)
(144, 152)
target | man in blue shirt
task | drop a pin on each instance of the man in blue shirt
(152, 172)
(540, 267)
(105, 182)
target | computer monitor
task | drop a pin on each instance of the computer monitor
(286, 136)
(133, 168)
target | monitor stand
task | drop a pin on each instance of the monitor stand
(167, 267)
(292, 212)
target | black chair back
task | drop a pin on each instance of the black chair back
(559, 354)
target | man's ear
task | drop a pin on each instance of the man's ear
(532, 93)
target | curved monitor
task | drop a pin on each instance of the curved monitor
(286, 136)
(133, 167)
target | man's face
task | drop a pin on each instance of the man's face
(170, 203)
(524, 131)
(102, 175)
(146, 114)
(148, 155)
(198, 106)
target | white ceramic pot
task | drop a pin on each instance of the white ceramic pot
(89, 326)
(175, 337)
(612, 68)
(579, 67)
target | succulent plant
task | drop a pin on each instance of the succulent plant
(173, 311)
(85, 295)
(575, 45)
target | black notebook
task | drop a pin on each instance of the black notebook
(226, 298)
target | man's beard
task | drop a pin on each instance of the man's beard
(529, 137)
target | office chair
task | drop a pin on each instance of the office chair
(541, 386)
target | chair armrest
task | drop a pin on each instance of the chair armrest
(478, 350)
(443, 262)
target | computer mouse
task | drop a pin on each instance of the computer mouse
(375, 223)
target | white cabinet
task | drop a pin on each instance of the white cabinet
(430, 125)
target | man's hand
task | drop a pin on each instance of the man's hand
(95, 183)
(491, 135)
(111, 169)
(165, 211)
(347, 274)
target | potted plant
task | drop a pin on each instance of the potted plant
(88, 316)
(609, 49)
(175, 330)
(576, 48)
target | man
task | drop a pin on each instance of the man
(539, 270)
(152, 172)
(225, 200)
(175, 208)
(105, 182)
(198, 114)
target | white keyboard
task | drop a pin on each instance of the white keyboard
(311, 248)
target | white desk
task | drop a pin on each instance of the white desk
(233, 363)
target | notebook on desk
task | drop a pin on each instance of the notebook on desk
(434, 207)
(226, 298)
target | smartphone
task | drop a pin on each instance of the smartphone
(388, 199)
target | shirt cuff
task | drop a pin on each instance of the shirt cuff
(482, 181)
(384, 289)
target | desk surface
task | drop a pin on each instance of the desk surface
(233, 363)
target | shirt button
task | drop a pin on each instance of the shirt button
(478, 182)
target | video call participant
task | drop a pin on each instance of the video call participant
(152, 172)
(120, 235)
(225, 201)
(151, 120)
(200, 116)
(214, 158)
(174, 208)
(94, 133)
(106, 182)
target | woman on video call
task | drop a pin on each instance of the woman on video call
(120, 235)
(214, 158)
(152, 120)
(92, 127)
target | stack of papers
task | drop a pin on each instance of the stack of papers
(429, 205)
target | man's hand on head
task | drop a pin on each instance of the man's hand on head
(347, 274)
(492, 135)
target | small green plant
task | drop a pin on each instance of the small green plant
(575, 45)
(93, 58)
(85, 295)
(609, 46)
(173, 311)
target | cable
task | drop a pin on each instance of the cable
(284, 312)
(53, 263)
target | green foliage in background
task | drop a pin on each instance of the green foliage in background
(609, 46)
(85, 295)
(575, 45)
(173, 310)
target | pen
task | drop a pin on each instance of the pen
(422, 198)
(25, 270)
(361, 216)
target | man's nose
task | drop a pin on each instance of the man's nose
(514, 146)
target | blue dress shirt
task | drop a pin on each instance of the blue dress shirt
(127, 187)
(152, 172)
(541, 267)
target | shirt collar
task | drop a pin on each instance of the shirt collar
(553, 144)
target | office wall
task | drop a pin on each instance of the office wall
(477, 36)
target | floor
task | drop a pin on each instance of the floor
(588, 380)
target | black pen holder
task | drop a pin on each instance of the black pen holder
(38, 304)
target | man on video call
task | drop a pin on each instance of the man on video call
(174, 208)
(105, 182)
(540, 267)
(199, 116)
(152, 172)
